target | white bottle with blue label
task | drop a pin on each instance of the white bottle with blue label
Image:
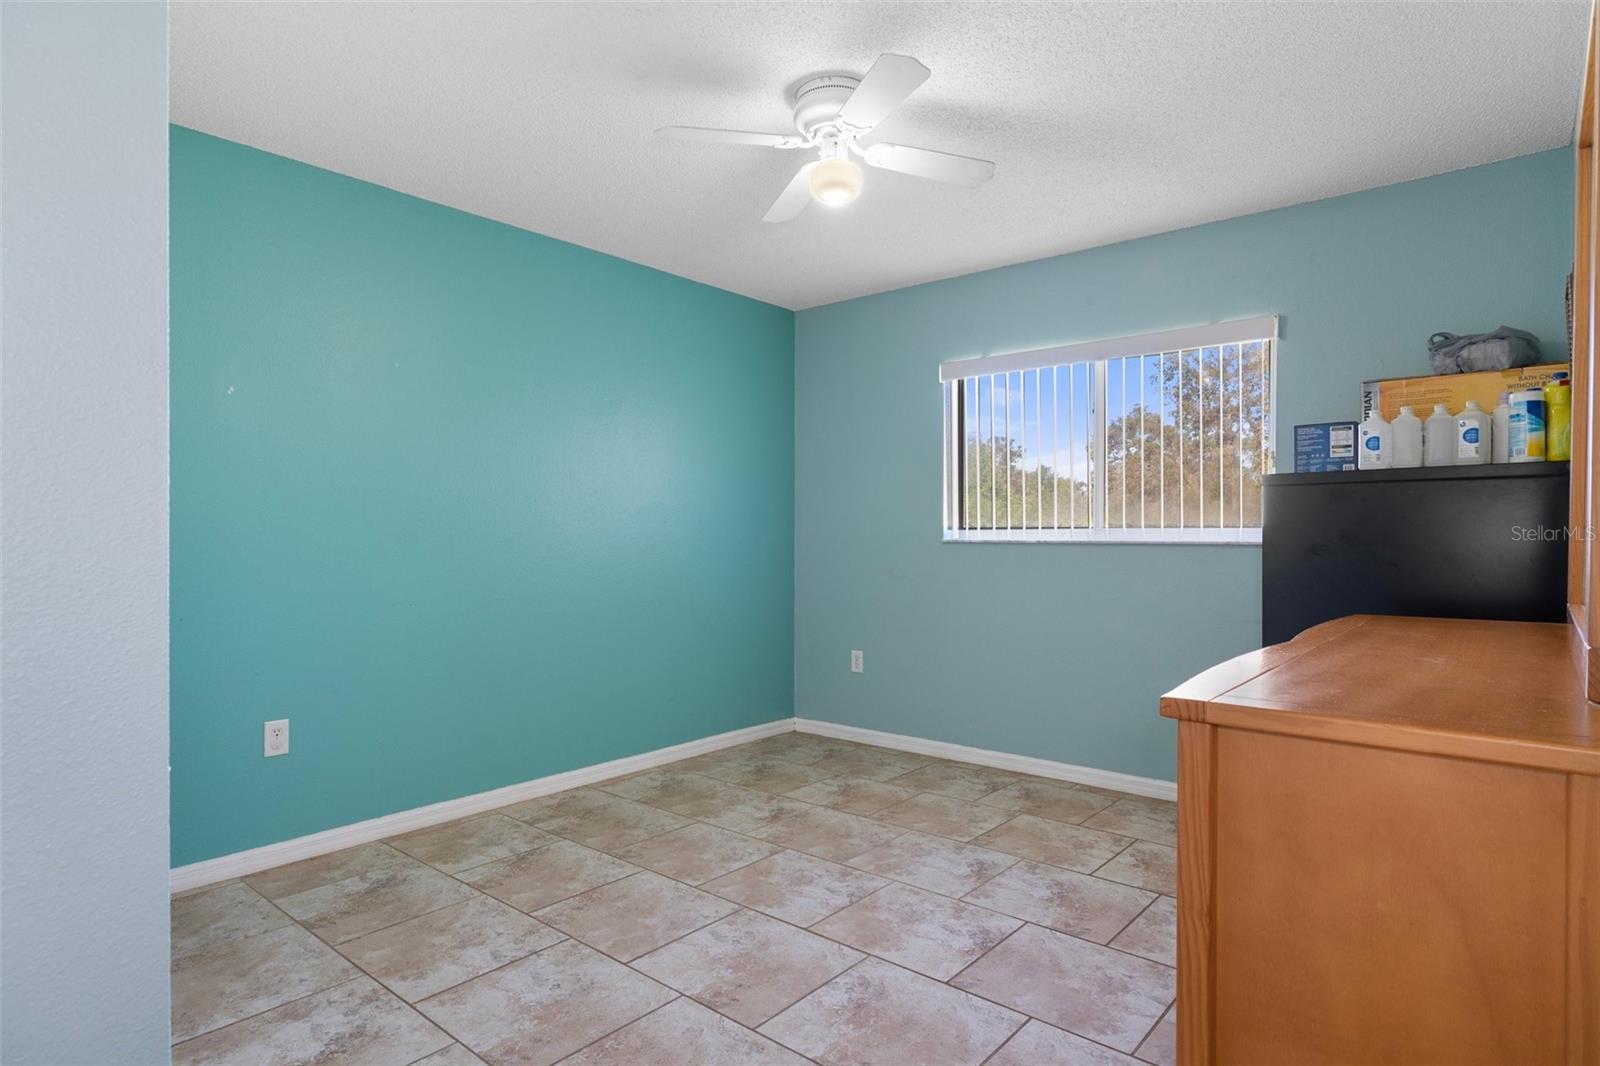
(1373, 449)
(1474, 434)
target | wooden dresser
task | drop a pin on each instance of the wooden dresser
(1389, 848)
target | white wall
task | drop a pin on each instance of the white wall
(83, 533)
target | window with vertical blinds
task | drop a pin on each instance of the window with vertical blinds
(1164, 437)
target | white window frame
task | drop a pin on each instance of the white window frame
(1099, 352)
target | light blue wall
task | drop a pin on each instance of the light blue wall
(466, 504)
(1061, 651)
(83, 492)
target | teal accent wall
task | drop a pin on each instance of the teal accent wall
(466, 504)
(1061, 651)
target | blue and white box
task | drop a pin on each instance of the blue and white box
(1324, 446)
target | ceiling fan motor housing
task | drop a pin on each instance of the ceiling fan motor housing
(817, 101)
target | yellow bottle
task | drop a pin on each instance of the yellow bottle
(1558, 419)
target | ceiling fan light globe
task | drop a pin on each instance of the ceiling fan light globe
(835, 182)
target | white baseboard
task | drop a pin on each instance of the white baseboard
(1022, 764)
(242, 863)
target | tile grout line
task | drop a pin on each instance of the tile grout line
(812, 930)
(478, 893)
(268, 1010)
(579, 1051)
(865, 955)
(1096, 871)
(1130, 921)
(324, 940)
(1149, 1032)
(743, 866)
(1070, 825)
(1011, 814)
(1011, 866)
(420, 914)
(412, 1007)
(288, 918)
(1035, 1017)
(874, 816)
(737, 907)
(990, 1057)
(845, 862)
(565, 939)
(951, 980)
(564, 899)
(1026, 1017)
(1025, 922)
(1017, 859)
(362, 971)
(498, 858)
(740, 908)
(692, 820)
(476, 817)
(391, 925)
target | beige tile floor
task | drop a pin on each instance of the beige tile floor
(795, 899)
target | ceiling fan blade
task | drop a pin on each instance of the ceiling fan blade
(793, 199)
(891, 79)
(926, 163)
(705, 136)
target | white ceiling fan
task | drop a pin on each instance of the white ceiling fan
(833, 113)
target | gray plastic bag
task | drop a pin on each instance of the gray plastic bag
(1504, 349)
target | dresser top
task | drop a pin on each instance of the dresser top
(1508, 692)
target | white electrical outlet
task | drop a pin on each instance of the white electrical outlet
(857, 662)
(275, 740)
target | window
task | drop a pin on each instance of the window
(1163, 437)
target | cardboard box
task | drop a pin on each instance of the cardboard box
(1324, 446)
(1452, 390)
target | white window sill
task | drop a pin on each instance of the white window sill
(1220, 537)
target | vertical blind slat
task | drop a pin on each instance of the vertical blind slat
(1072, 457)
(1183, 470)
(994, 463)
(1055, 448)
(1238, 431)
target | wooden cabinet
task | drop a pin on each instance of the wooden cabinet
(1389, 848)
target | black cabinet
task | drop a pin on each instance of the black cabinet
(1444, 542)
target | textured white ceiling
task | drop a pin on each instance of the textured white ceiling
(1108, 121)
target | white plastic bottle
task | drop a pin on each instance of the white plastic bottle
(1500, 435)
(1405, 434)
(1439, 438)
(1473, 434)
(1373, 450)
